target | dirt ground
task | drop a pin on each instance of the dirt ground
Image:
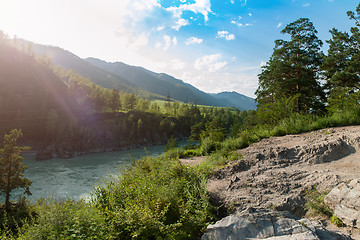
(276, 172)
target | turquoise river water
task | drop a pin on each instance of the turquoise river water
(76, 177)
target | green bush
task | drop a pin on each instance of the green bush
(208, 146)
(190, 153)
(158, 198)
(11, 221)
(171, 144)
(65, 220)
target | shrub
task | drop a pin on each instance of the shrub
(190, 153)
(65, 220)
(158, 198)
(208, 146)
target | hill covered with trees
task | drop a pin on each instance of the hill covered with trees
(137, 80)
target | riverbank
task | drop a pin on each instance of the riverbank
(53, 152)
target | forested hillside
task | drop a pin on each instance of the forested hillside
(164, 85)
(131, 79)
(29, 92)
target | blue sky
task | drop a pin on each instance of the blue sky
(215, 45)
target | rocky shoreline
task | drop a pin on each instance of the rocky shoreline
(275, 174)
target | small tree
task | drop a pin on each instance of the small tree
(11, 166)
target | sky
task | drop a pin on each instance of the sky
(215, 45)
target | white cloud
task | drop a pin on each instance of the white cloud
(250, 14)
(200, 6)
(279, 25)
(160, 28)
(158, 45)
(210, 63)
(139, 41)
(230, 37)
(232, 1)
(145, 5)
(180, 23)
(239, 24)
(193, 40)
(226, 35)
(167, 40)
(177, 64)
(306, 5)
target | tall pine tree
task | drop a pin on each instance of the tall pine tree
(293, 69)
(341, 67)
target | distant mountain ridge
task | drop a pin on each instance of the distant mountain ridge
(141, 81)
(235, 98)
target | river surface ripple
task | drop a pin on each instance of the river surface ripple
(76, 178)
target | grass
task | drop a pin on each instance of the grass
(316, 206)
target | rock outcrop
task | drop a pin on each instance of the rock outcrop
(268, 224)
(276, 173)
(344, 199)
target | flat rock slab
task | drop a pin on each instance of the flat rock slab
(267, 224)
(344, 199)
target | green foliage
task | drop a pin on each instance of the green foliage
(216, 161)
(275, 111)
(171, 144)
(11, 166)
(208, 146)
(316, 206)
(315, 203)
(335, 220)
(293, 69)
(11, 221)
(158, 198)
(190, 153)
(65, 220)
(214, 131)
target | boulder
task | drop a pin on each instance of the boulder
(344, 199)
(267, 224)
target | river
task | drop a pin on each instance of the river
(76, 178)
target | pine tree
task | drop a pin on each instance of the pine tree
(341, 66)
(293, 69)
(12, 167)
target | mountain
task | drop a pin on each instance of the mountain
(139, 80)
(29, 91)
(97, 75)
(237, 100)
(158, 83)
